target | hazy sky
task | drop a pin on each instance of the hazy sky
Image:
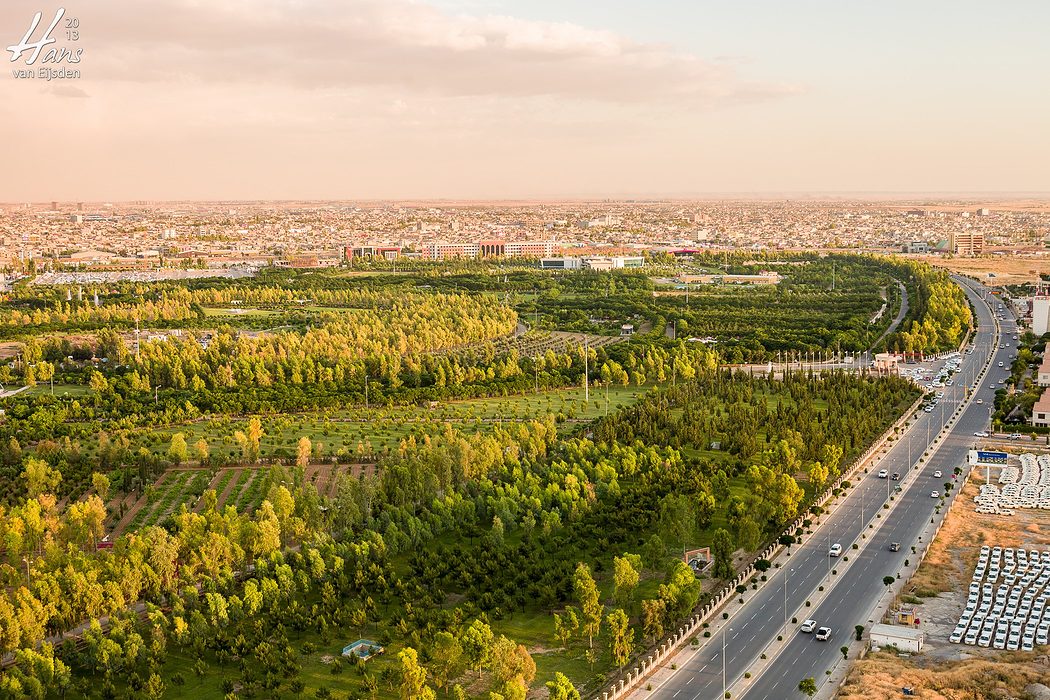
(261, 99)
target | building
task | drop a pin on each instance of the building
(1043, 377)
(903, 638)
(1040, 313)
(885, 363)
(1041, 410)
(627, 329)
(916, 247)
(592, 262)
(561, 263)
(966, 243)
(984, 212)
(438, 250)
(760, 278)
(389, 252)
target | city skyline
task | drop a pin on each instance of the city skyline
(513, 100)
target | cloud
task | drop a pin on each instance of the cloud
(67, 91)
(401, 44)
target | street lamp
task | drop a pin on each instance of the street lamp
(787, 573)
(724, 661)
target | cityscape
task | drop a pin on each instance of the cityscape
(493, 350)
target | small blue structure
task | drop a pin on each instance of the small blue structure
(363, 649)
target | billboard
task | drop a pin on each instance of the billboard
(985, 457)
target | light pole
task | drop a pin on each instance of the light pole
(724, 661)
(787, 573)
(366, 391)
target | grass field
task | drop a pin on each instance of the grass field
(341, 432)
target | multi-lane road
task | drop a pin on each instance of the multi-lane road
(850, 594)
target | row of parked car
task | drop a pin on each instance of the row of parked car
(1015, 615)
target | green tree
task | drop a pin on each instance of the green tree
(447, 655)
(808, 687)
(625, 580)
(561, 688)
(722, 551)
(590, 605)
(477, 645)
(621, 637)
(178, 452)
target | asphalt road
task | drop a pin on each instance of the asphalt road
(853, 592)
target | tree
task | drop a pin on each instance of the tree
(858, 630)
(413, 676)
(477, 645)
(200, 449)
(621, 637)
(749, 535)
(722, 550)
(808, 687)
(561, 688)
(178, 452)
(100, 485)
(888, 580)
(653, 612)
(510, 661)
(303, 449)
(566, 626)
(590, 605)
(625, 580)
(447, 655)
(40, 477)
(654, 553)
(845, 652)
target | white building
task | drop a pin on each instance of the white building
(1043, 378)
(1040, 314)
(903, 638)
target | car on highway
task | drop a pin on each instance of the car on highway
(1000, 364)
(981, 433)
(895, 546)
(823, 634)
(836, 549)
(896, 476)
(883, 473)
(808, 626)
(937, 474)
(980, 401)
(935, 494)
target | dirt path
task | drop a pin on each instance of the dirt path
(225, 495)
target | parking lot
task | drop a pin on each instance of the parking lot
(1023, 486)
(1006, 607)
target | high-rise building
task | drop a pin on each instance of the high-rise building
(966, 242)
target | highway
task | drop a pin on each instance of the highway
(851, 593)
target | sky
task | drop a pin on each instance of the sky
(523, 99)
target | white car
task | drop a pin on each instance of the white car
(823, 634)
(981, 433)
(883, 473)
(808, 626)
(935, 494)
(981, 401)
(836, 549)
(937, 474)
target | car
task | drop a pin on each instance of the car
(935, 494)
(981, 433)
(1000, 364)
(1015, 436)
(896, 476)
(808, 626)
(979, 402)
(883, 473)
(937, 474)
(823, 634)
(895, 546)
(836, 549)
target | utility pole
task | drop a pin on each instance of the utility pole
(366, 391)
(724, 661)
(586, 383)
